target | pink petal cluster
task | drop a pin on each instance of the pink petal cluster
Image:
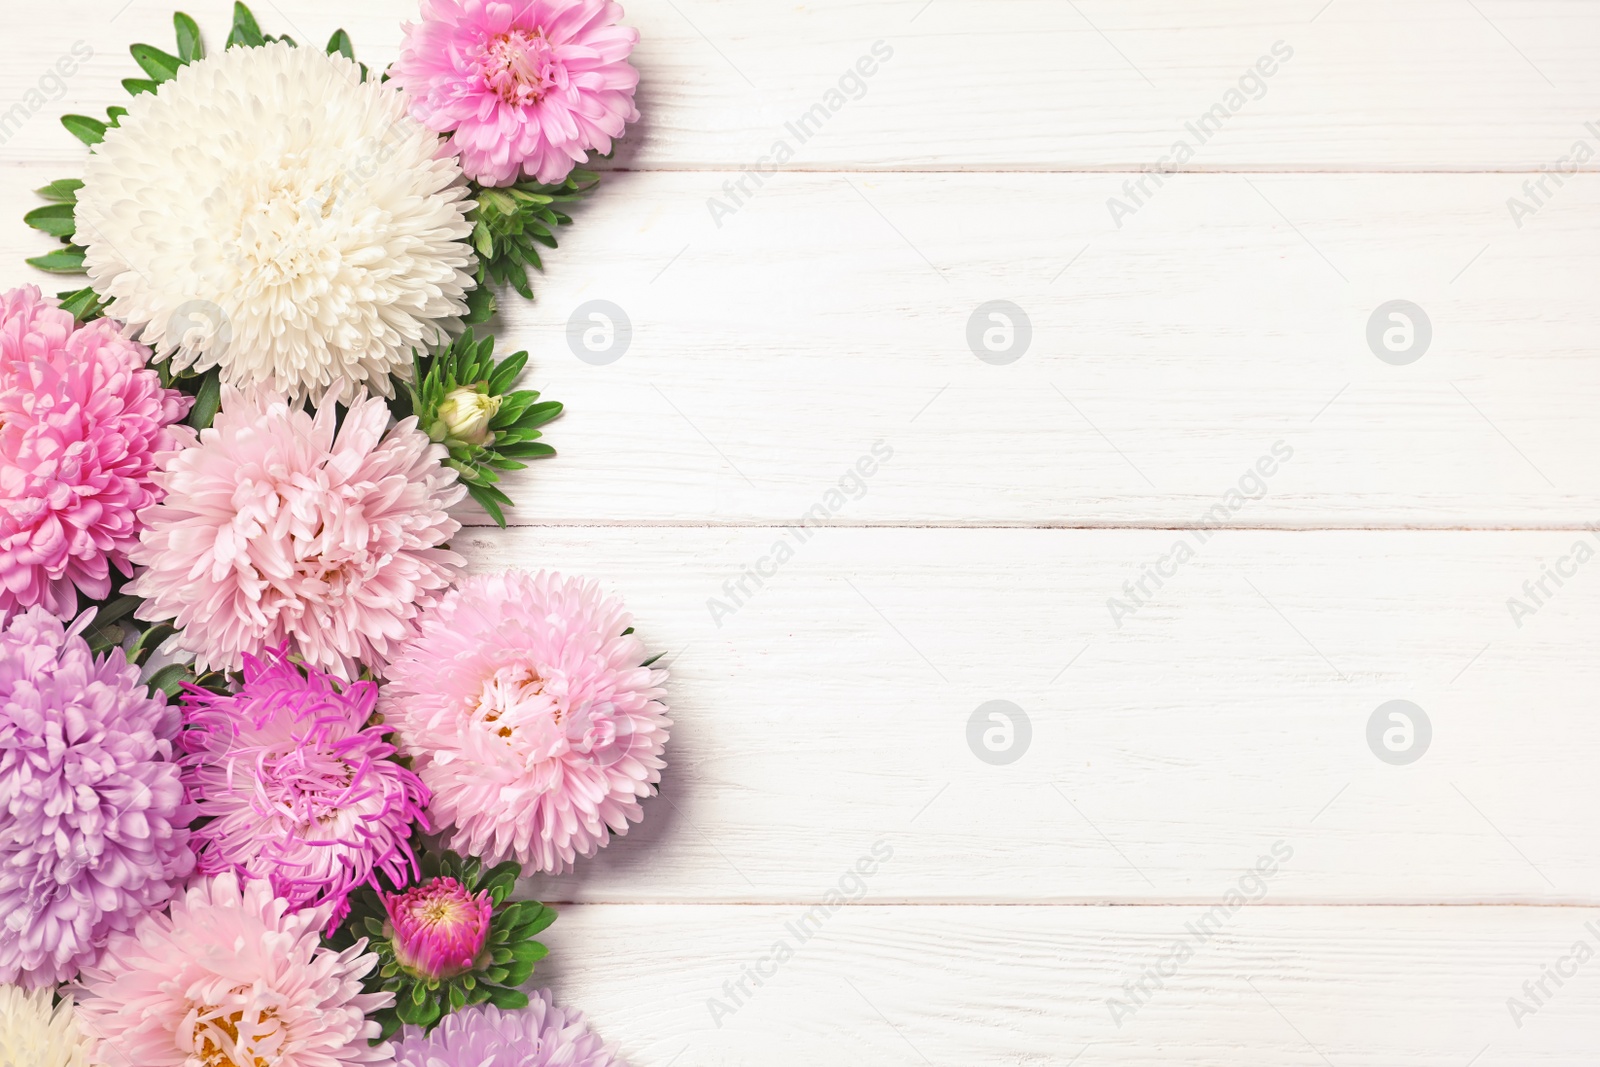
(530, 717)
(231, 978)
(93, 819)
(82, 420)
(438, 929)
(297, 787)
(540, 1035)
(522, 86)
(277, 528)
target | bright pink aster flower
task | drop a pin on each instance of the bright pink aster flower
(529, 716)
(81, 422)
(438, 929)
(523, 86)
(231, 978)
(275, 528)
(297, 787)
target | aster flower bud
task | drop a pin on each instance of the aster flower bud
(439, 929)
(464, 416)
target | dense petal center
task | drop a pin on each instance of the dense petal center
(520, 66)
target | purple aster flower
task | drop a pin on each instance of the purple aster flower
(298, 784)
(93, 818)
(540, 1035)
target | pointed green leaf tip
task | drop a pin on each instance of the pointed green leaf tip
(90, 131)
(340, 42)
(54, 219)
(245, 31)
(161, 66)
(190, 46)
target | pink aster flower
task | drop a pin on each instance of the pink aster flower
(93, 819)
(81, 422)
(540, 1035)
(232, 978)
(297, 787)
(275, 528)
(438, 929)
(528, 714)
(523, 86)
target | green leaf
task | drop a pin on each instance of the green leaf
(90, 131)
(488, 503)
(505, 375)
(340, 42)
(63, 261)
(161, 66)
(652, 659)
(149, 641)
(190, 47)
(507, 999)
(480, 306)
(245, 31)
(55, 219)
(116, 114)
(169, 679)
(207, 401)
(541, 920)
(82, 304)
(64, 191)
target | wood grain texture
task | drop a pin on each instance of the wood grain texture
(908, 986)
(1002, 84)
(1166, 358)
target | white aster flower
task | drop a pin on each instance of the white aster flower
(268, 213)
(33, 1033)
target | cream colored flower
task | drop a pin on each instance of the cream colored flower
(35, 1034)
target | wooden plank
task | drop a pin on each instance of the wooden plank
(1224, 711)
(1167, 358)
(1269, 986)
(996, 84)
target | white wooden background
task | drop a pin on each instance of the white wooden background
(1225, 716)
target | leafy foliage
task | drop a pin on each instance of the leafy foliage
(512, 428)
(507, 961)
(510, 224)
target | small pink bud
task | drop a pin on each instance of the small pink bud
(438, 929)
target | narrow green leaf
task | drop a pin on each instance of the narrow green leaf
(505, 375)
(135, 86)
(525, 450)
(64, 191)
(207, 401)
(82, 304)
(116, 115)
(190, 46)
(488, 504)
(90, 131)
(507, 999)
(64, 261)
(245, 31)
(541, 919)
(651, 661)
(340, 42)
(54, 219)
(161, 66)
(169, 679)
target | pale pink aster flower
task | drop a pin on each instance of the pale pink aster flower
(482, 1035)
(297, 787)
(438, 929)
(276, 529)
(93, 818)
(528, 714)
(522, 86)
(233, 977)
(82, 420)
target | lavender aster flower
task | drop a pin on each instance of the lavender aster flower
(540, 1035)
(298, 785)
(93, 819)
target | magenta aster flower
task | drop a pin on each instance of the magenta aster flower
(277, 528)
(438, 929)
(297, 787)
(540, 1035)
(232, 978)
(523, 86)
(81, 422)
(93, 820)
(529, 716)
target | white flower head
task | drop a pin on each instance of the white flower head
(36, 1033)
(269, 213)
